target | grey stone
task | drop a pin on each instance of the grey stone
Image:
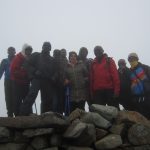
(39, 142)
(19, 138)
(36, 132)
(55, 140)
(4, 132)
(100, 133)
(12, 146)
(50, 119)
(117, 129)
(143, 147)
(80, 134)
(29, 148)
(139, 134)
(132, 117)
(109, 142)
(96, 119)
(52, 148)
(75, 130)
(108, 112)
(78, 148)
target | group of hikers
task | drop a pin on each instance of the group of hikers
(66, 84)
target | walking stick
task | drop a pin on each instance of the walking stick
(67, 101)
(35, 108)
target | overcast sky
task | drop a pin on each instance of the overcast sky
(119, 26)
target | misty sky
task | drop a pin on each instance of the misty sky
(119, 26)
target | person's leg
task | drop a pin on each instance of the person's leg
(8, 97)
(46, 96)
(98, 98)
(111, 101)
(29, 100)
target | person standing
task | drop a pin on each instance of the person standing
(19, 77)
(82, 57)
(76, 78)
(41, 70)
(125, 84)
(5, 69)
(140, 85)
(104, 79)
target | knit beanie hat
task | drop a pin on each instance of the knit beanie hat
(133, 55)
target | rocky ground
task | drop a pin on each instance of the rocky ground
(103, 128)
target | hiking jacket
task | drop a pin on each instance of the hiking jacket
(18, 72)
(41, 66)
(78, 76)
(139, 75)
(5, 68)
(104, 75)
(125, 82)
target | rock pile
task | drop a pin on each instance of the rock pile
(103, 128)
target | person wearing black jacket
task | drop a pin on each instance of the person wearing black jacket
(41, 71)
(125, 84)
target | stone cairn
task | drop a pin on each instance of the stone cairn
(102, 128)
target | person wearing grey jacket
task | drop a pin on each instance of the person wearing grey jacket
(77, 78)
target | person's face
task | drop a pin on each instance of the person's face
(83, 53)
(98, 53)
(73, 58)
(46, 48)
(122, 65)
(132, 59)
(28, 52)
(11, 52)
(63, 53)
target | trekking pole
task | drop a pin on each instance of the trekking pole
(67, 101)
(35, 108)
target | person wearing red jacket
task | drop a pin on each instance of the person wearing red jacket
(19, 77)
(104, 79)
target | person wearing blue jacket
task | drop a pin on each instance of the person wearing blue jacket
(5, 69)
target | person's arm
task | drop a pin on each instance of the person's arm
(115, 77)
(2, 67)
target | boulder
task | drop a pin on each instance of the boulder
(108, 112)
(49, 119)
(139, 134)
(109, 142)
(36, 132)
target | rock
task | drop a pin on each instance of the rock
(76, 114)
(75, 130)
(36, 132)
(143, 147)
(50, 119)
(4, 132)
(109, 142)
(39, 142)
(133, 117)
(19, 138)
(52, 148)
(29, 148)
(80, 134)
(139, 134)
(117, 129)
(96, 119)
(100, 133)
(55, 140)
(108, 112)
(78, 148)
(12, 146)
